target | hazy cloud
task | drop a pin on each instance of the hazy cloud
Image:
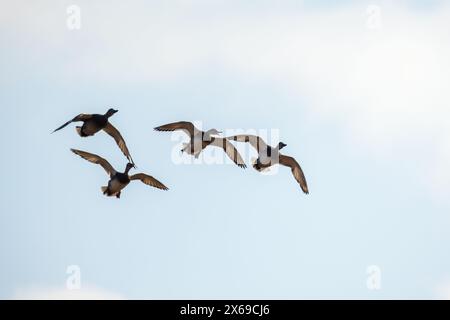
(389, 86)
(60, 293)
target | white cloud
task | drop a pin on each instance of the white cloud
(443, 291)
(60, 293)
(389, 87)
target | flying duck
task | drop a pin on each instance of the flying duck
(93, 123)
(118, 180)
(269, 156)
(199, 140)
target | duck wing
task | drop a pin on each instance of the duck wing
(80, 117)
(149, 180)
(230, 150)
(97, 160)
(187, 127)
(255, 141)
(113, 132)
(296, 171)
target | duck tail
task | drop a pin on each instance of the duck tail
(105, 190)
(256, 164)
(257, 167)
(80, 133)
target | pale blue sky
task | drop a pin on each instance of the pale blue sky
(220, 232)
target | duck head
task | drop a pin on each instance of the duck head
(208, 134)
(111, 112)
(281, 145)
(213, 132)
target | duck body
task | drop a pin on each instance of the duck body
(117, 183)
(93, 123)
(118, 180)
(269, 156)
(90, 127)
(199, 140)
(197, 144)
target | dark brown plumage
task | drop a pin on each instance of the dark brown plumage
(93, 123)
(118, 180)
(269, 156)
